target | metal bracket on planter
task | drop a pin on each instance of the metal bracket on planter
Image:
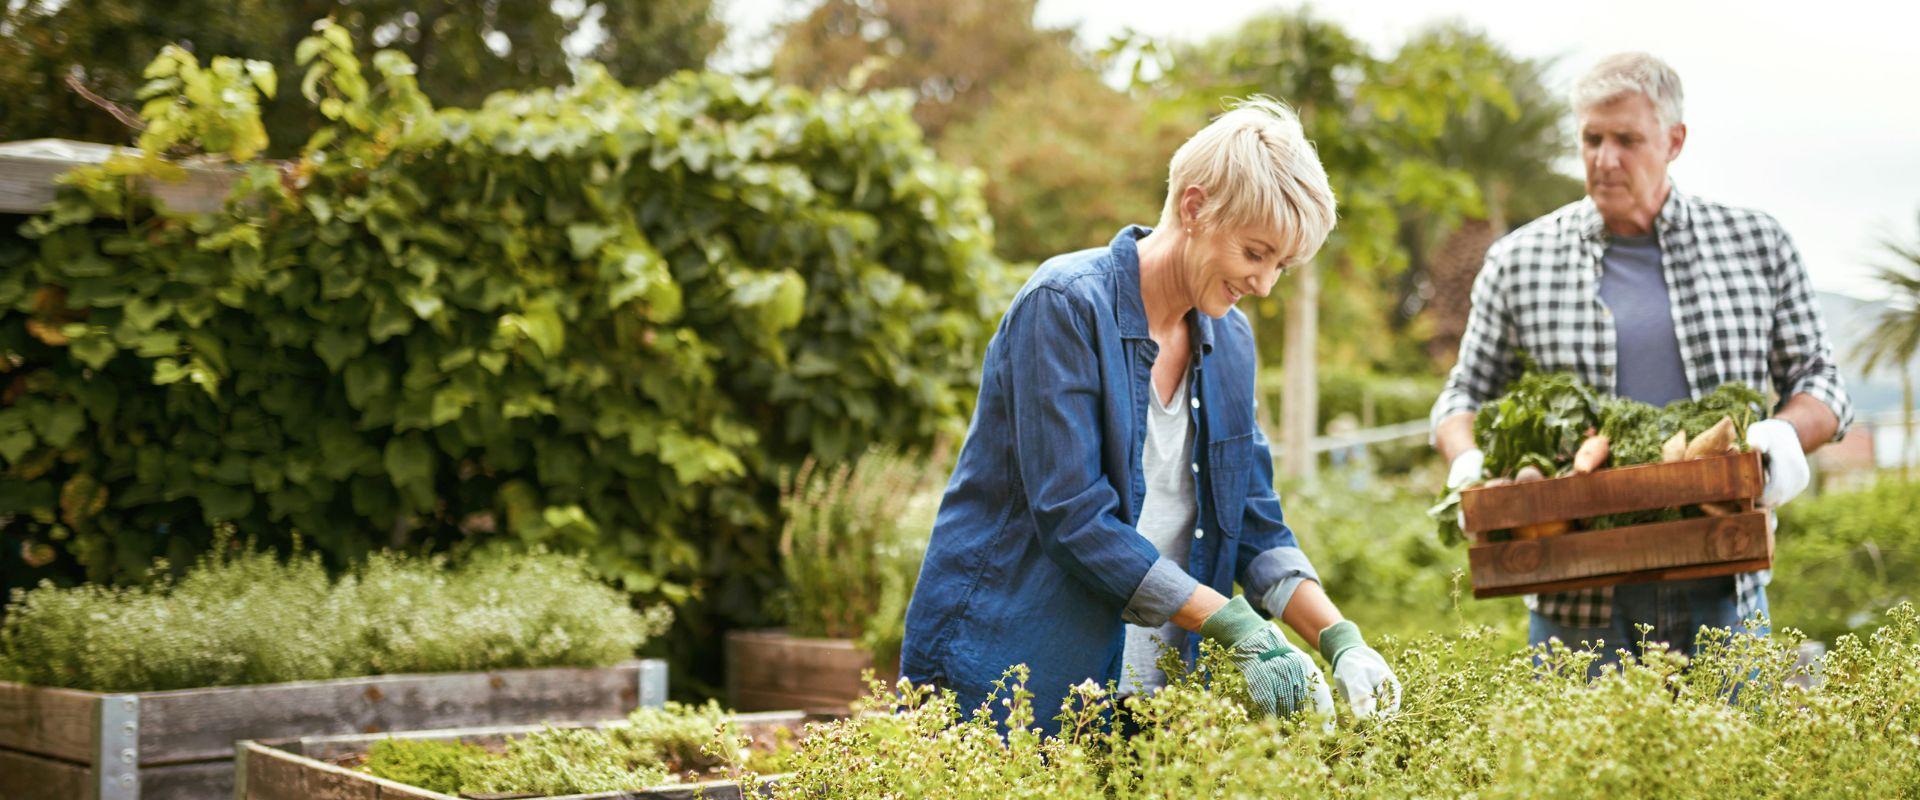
(116, 748)
(653, 682)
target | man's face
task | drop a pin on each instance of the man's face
(1626, 152)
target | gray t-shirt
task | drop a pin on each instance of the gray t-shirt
(1166, 518)
(1634, 289)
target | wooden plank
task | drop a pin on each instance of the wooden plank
(203, 724)
(206, 780)
(1613, 491)
(770, 669)
(329, 748)
(1687, 548)
(30, 777)
(29, 172)
(49, 722)
(271, 774)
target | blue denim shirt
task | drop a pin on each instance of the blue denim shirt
(1034, 558)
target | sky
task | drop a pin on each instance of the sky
(1807, 111)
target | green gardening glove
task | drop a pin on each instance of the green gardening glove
(1280, 679)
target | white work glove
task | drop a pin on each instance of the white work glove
(1464, 471)
(1466, 468)
(1360, 676)
(1787, 472)
(1317, 688)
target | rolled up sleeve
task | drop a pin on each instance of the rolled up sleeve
(1487, 359)
(1800, 359)
(1055, 393)
(1270, 563)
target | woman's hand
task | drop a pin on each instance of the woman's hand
(1280, 678)
(1360, 676)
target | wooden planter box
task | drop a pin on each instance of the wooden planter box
(772, 669)
(306, 768)
(61, 744)
(1691, 548)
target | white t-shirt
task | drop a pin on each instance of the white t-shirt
(1166, 519)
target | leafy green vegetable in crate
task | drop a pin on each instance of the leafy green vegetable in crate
(1543, 418)
(1539, 421)
(1637, 429)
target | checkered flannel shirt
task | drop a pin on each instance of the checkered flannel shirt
(1742, 311)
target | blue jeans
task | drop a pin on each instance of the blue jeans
(1677, 610)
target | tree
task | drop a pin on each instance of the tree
(1510, 151)
(463, 50)
(1359, 111)
(1895, 336)
(954, 55)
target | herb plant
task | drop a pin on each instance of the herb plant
(248, 617)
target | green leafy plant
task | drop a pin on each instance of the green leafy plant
(652, 747)
(597, 319)
(852, 546)
(1543, 418)
(1844, 555)
(1477, 720)
(248, 617)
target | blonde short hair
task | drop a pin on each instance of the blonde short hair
(1622, 74)
(1257, 169)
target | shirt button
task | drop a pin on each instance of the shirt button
(1196, 468)
(1199, 533)
(1195, 402)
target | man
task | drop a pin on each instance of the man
(1648, 293)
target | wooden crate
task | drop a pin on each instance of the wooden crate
(306, 768)
(1692, 548)
(61, 744)
(773, 669)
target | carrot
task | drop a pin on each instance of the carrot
(1541, 530)
(1715, 441)
(1592, 453)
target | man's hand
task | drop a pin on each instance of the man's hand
(1466, 468)
(1787, 472)
(1281, 679)
(1360, 676)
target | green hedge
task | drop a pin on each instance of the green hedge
(1477, 719)
(1843, 556)
(599, 319)
(247, 617)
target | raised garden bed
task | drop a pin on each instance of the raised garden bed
(324, 766)
(60, 744)
(773, 669)
(1739, 541)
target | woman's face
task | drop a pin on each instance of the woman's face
(1226, 264)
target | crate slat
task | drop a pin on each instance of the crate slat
(31, 777)
(772, 669)
(1684, 549)
(272, 771)
(50, 722)
(1614, 491)
(202, 724)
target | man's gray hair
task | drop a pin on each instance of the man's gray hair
(1625, 73)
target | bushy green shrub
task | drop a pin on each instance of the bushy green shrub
(1478, 720)
(1386, 398)
(1381, 560)
(851, 549)
(248, 617)
(654, 746)
(601, 319)
(1844, 555)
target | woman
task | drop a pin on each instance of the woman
(1114, 485)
